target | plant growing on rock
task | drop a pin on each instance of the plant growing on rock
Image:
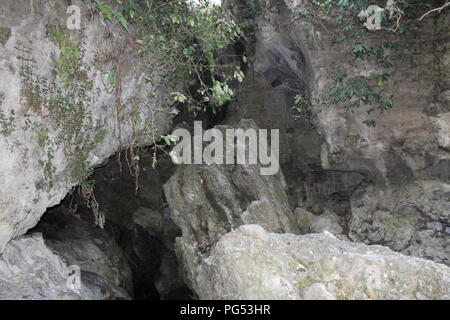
(369, 45)
(70, 54)
(185, 39)
(63, 109)
(6, 122)
(302, 108)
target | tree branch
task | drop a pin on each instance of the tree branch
(436, 9)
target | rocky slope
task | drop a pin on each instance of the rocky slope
(250, 263)
(60, 112)
(400, 168)
(70, 99)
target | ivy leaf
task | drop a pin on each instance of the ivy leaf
(370, 123)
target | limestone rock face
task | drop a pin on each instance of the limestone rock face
(81, 243)
(330, 159)
(304, 219)
(23, 260)
(50, 138)
(292, 54)
(414, 219)
(442, 124)
(328, 221)
(29, 270)
(207, 201)
(250, 263)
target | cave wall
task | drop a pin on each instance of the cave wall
(51, 137)
(337, 162)
(293, 54)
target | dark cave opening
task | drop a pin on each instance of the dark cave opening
(135, 248)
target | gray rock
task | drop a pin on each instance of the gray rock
(207, 201)
(328, 221)
(316, 209)
(435, 225)
(81, 243)
(25, 167)
(249, 263)
(318, 291)
(149, 219)
(29, 270)
(442, 127)
(304, 219)
(409, 220)
(68, 296)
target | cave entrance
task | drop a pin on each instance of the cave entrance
(135, 249)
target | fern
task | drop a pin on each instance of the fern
(109, 14)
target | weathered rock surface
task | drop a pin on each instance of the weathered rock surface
(293, 54)
(328, 158)
(79, 242)
(29, 270)
(250, 263)
(207, 201)
(442, 128)
(328, 221)
(46, 149)
(304, 219)
(414, 219)
(27, 263)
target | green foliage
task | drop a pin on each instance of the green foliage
(251, 10)
(357, 91)
(49, 169)
(170, 139)
(304, 282)
(87, 187)
(370, 123)
(99, 136)
(43, 137)
(302, 108)
(65, 106)
(112, 78)
(6, 122)
(70, 54)
(185, 38)
(352, 138)
(111, 14)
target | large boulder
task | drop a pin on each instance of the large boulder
(250, 263)
(207, 201)
(29, 270)
(328, 221)
(414, 219)
(92, 101)
(327, 158)
(93, 250)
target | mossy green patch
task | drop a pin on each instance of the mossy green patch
(70, 53)
(5, 34)
(304, 282)
(6, 121)
(99, 136)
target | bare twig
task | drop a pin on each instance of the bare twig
(436, 9)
